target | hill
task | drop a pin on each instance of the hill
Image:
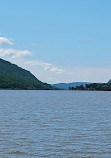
(14, 77)
(65, 86)
(109, 82)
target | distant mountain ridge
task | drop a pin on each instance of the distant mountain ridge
(65, 86)
(14, 77)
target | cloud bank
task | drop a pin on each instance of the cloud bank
(13, 53)
(22, 58)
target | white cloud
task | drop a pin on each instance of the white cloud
(54, 69)
(46, 66)
(37, 63)
(4, 40)
(13, 53)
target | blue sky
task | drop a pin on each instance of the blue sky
(58, 40)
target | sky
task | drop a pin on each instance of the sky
(58, 40)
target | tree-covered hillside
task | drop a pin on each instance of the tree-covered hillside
(109, 82)
(93, 87)
(14, 77)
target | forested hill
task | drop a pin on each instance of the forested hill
(109, 82)
(14, 77)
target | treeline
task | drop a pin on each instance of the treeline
(14, 83)
(93, 87)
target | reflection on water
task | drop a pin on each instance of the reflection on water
(55, 124)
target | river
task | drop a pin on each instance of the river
(55, 124)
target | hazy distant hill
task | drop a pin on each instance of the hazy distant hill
(65, 86)
(14, 77)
